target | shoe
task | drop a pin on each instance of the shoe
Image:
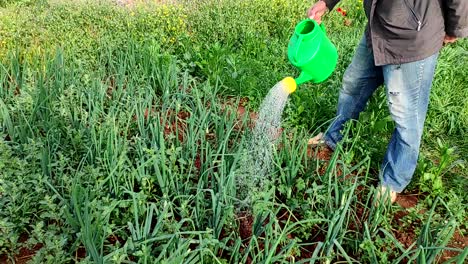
(386, 195)
(317, 148)
(317, 140)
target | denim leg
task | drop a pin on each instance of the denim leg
(408, 87)
(360, 80)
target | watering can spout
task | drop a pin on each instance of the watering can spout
(303, 77)
(289, 85)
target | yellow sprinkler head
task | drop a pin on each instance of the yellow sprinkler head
(289, 85)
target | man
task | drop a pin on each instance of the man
(399, 49)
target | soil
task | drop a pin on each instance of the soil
(407, 200)
(407, 237)
(80, 253)
(323, 153)
(178, 126)
(241, 112)
(198, 162)
(24, 255)
(246, 221)
(458, 241)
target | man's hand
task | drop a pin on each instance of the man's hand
(449, 39)
(317, 10)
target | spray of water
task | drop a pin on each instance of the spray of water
(257, 164)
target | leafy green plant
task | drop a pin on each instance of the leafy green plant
(431, 179)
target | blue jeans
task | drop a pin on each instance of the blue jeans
(407, 89)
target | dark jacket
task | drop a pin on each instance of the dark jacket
(401, 31)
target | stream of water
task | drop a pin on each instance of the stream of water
(257, 165)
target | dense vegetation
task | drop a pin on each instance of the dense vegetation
(122, 128)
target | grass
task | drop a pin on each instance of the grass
(120, 146)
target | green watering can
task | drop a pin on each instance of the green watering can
(312, 52)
